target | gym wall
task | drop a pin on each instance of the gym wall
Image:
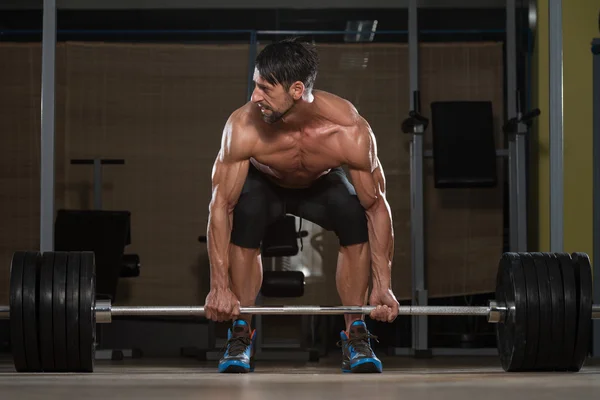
(580, 26)
(161, 107)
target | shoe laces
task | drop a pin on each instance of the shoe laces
(359, 342)
(238, 344)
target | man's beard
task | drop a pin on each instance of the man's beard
(276, 115)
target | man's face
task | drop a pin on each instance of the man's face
(273, 101)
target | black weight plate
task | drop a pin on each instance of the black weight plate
(31, 268)
(558, 310)
(17, 336)
(583, 278)
(46, 312)
(545, 345)
(73, 357)
(87, 314)
(511, 291)
(533, 312)
(570, 296)
(60, 311)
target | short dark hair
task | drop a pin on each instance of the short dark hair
(288, 61)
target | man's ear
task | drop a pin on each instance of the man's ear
(297, 90)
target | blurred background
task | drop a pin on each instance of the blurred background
(151, 84)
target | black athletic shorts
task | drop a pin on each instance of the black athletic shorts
(331, 202)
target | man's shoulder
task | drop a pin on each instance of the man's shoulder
(242, 118)
(338, 110)
(351, 127)
(239, 135)
(354, 133)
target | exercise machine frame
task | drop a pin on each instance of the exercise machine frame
(517, 173)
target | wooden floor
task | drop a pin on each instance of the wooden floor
(403, 378)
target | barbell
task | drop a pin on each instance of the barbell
(542, 311)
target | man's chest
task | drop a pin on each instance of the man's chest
(293, 151)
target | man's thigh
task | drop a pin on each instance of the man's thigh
(258, 206)
(332, 204)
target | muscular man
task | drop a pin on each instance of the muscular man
(282, 153)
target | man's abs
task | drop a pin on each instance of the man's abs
(293, 178)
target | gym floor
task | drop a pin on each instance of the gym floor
(405, 378)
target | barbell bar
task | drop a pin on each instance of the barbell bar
(494, 312)
(105, 311)
(542, 311)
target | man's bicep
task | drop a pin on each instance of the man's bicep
(231, 165)
(365, 168)
(369, 185)
(228, 180)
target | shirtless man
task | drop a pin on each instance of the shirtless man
(282, 153)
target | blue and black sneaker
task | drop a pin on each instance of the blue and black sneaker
(357, 354)
(239, 356)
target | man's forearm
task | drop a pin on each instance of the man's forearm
(381, 242)
(218, 236)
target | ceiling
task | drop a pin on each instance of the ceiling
(247, 4)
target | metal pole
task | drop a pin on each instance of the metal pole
(107, 311)
(104, 307)
(251, 58)
(419, 323)
(47, 127)
(556, 125)
(300, 310)
(596, 191)
(521, 187)
(511, 111)
(517, 151)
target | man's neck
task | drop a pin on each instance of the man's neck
(297, 114)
